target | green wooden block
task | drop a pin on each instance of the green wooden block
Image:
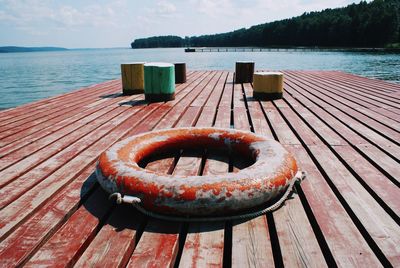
(159, 78)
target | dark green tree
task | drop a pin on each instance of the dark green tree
(374, 24)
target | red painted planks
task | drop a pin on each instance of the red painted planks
(251, 246)
(298, 243)
(353, 218)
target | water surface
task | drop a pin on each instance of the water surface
(27, 77)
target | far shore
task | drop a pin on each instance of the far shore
(283, 48)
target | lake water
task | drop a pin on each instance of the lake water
(27, 77)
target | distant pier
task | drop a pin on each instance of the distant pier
(287, 49)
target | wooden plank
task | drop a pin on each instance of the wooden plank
(198, 87)
(310, 89)
(351, 110)
(376, 180)
(29, 162)
(344, 92)
(60, 99)
(26, 204)
(357, 198)
(114, 244)
(68, 146)
(387, 112)
(370, 88)
(226, 99)
(382, 160)
(16, 180)
(64, 246)
(216, 94)
(380, 226)
(181, 106)
(376, 125)
(164, 252)
(251, 246)
(43, 104)
(158, 245)
(347, 246)
(298, 244)
(34, 153)
(238, 99)
(28, 120)
(281, 129)
(375, 92)
(92, 150)
(223, 118)
(32, 134)
(308, 138)
(204, 245)
(205, 116)
(361, 130)
(258, 118)
(384, 119)
(66, 117)
(51, 133)
(388, 86)
(330, 136)
(383, 142)
(22, 243)
(23, 207)
(341, 129)
(361, 210)
(328, 212)
(206, 91)
(368, 121)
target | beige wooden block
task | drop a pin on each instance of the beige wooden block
(132, 77)
(268, 85)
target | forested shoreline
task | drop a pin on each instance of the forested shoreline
(11, 49)
(374, 24)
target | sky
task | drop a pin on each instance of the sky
(102, 24)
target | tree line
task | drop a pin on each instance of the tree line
(374, 24)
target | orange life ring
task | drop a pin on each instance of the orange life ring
(118, 172)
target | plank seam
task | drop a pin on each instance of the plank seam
(375, 248)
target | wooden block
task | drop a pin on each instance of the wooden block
(159, 82)
(180, 72)
(132, 78)
(244, 71)
(268, 85)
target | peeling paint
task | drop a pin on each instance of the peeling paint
(118, 171)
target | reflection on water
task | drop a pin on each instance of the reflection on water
(26, 77)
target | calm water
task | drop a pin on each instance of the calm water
(26, 77)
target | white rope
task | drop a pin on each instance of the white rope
(135, 201)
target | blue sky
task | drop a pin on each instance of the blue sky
(88, 23)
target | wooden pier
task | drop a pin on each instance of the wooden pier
(343, 129)
(288, 49)
(247, 49)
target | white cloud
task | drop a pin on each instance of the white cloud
(115, 23)
(165, 7)
(215, 8)
(162, 9)
(31, 13)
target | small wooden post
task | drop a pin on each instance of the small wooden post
(132, 78)
(244, 72)
(159, 81)
(268, 85)
(180, 72)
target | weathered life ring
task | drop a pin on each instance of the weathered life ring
(274, 168)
